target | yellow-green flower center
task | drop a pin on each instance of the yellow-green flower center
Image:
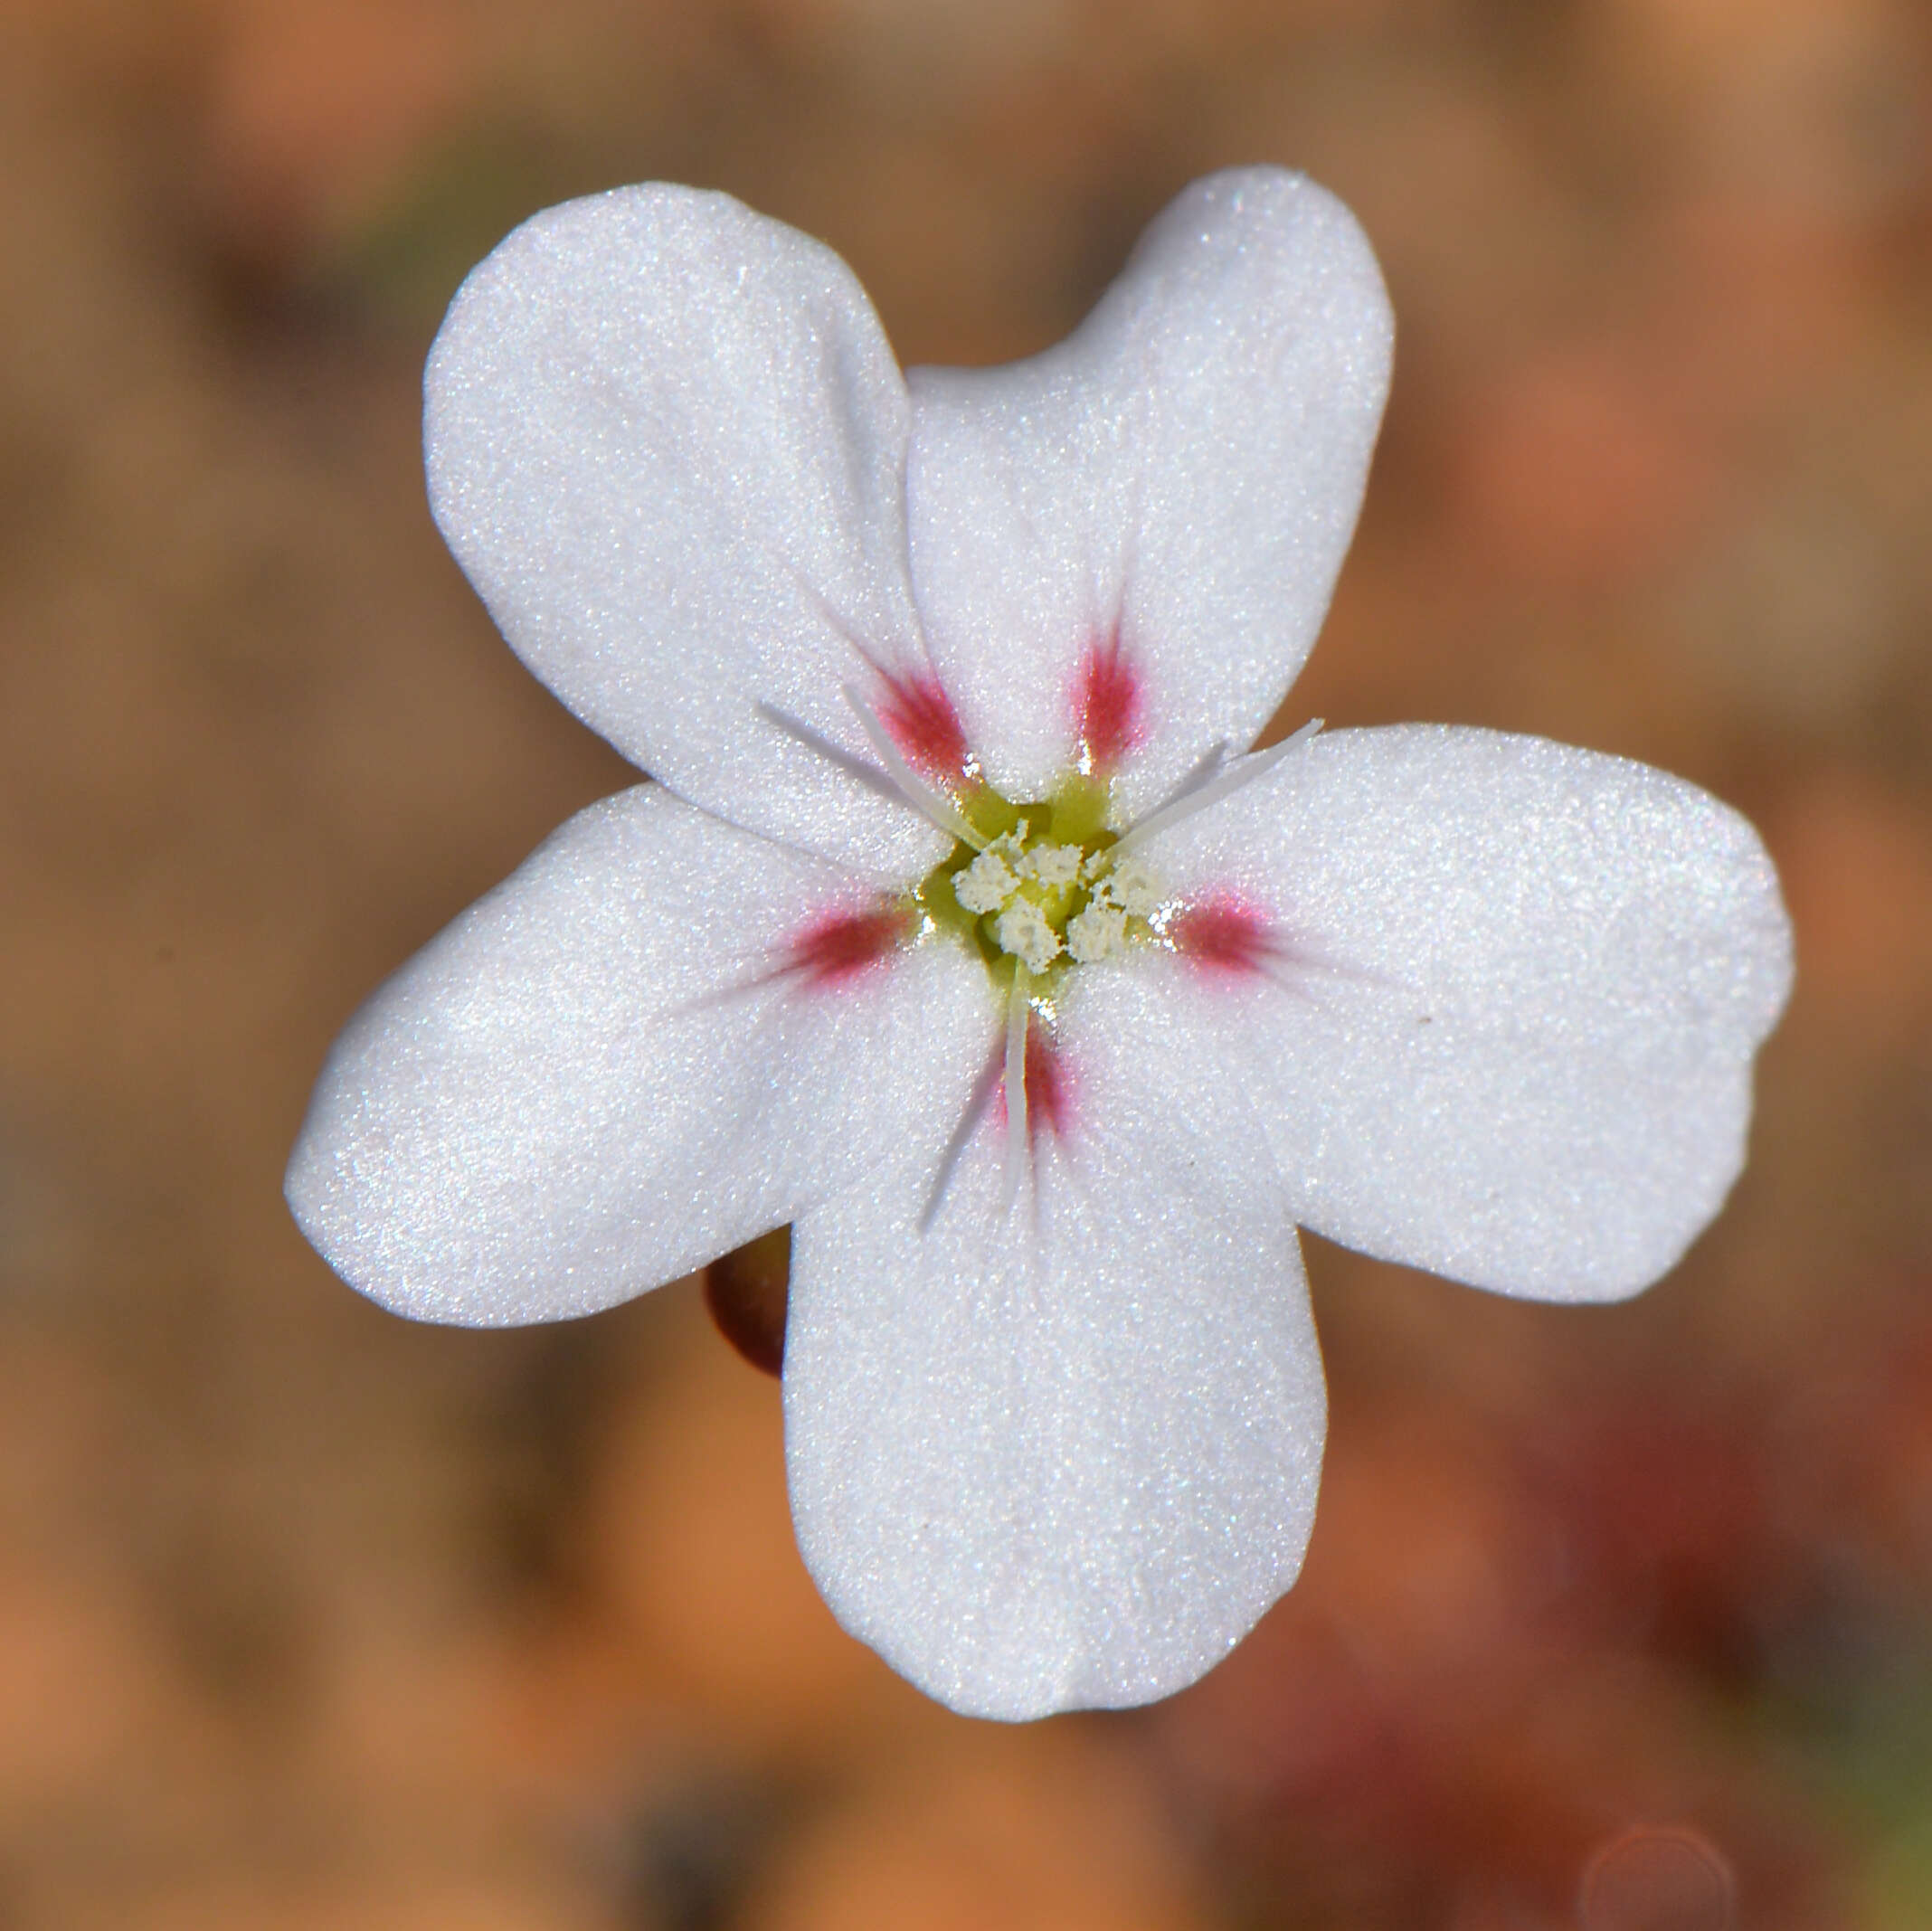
(1043, 887)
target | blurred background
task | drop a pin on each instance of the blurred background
(1619, 1618)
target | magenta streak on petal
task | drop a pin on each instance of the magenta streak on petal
(1226, 935)
(1049, 1091)
(1107, 705)
(837, 947)
(1049, 1098)
(919, 717)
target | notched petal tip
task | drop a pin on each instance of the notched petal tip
(1183, 472)
(1296, 253)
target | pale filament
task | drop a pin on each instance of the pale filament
(1224, 782)
(918, 794)
(1019, 1005)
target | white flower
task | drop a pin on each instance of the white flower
(1045, 1120)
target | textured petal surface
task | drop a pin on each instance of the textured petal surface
(1183, 471)
(593, 1082)
(666, 440)
(1063, 1459)
(1505, 1027)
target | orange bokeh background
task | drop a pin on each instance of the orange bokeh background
(1618, 1618)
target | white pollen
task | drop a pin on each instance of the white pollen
(1023, 930)
(1131, 886)
(1053, 864)
(984, 884)
(1098, 933)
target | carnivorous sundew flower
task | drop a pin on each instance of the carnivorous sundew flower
(962, 929)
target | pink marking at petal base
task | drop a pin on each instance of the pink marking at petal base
(838, 946)
(1049, 1091)
(1107, 701)
(1226, 935)
(919, 717)
(1049, 1097)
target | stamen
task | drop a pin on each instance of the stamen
(1211, 760)
(986, 883)
(1055, 865)
(1224, 783)
(1130, 885)
(1098, 933)
(918, 794)
(1022, 929)
(869, 775)
(1019, 1007)
(962, 1132)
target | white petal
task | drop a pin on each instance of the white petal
(1064, 1460)
(596, 1079)
(1187, 466)
(1508, 1029)
(666, 440)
